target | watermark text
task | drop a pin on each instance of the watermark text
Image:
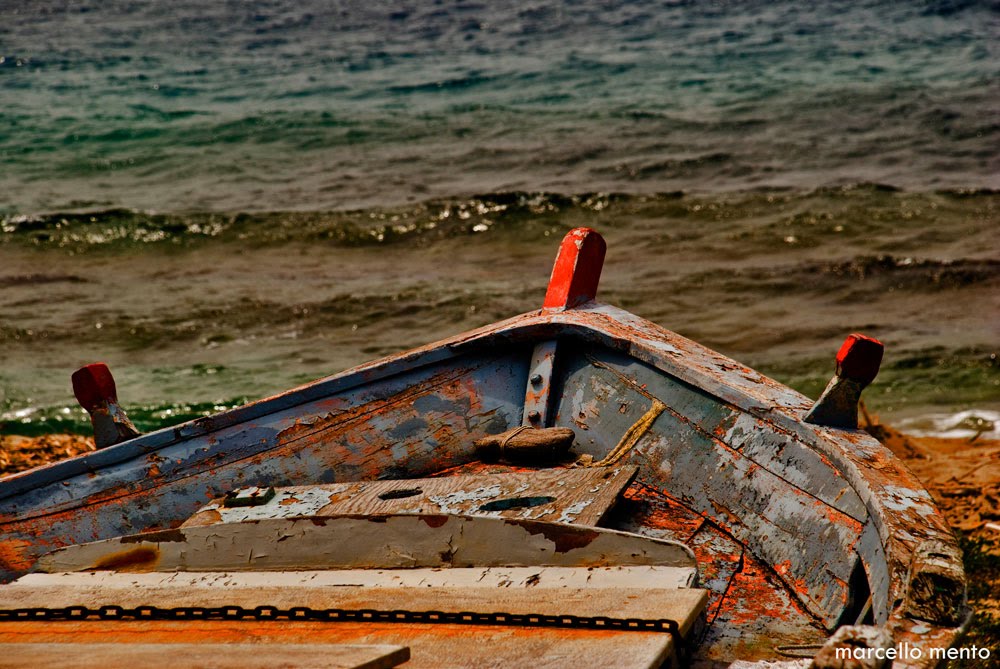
(905, 651)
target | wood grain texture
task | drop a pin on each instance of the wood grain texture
(683, 605)
(431, 646)
(637, 592)
(201, 656)
(578, 496)
(367, 541)
(527, 445)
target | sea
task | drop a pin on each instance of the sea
(223, 200)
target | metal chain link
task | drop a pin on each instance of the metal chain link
(346, 615)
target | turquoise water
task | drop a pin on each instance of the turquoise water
(317, 105)
(223, 200)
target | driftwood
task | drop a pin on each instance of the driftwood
(526, 444)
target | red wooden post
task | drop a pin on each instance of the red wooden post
(858, 361)
(94, 385)
(859, 358)
(95, 390)
(577, 270)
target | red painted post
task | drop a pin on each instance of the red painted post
(95, 390)
(577, 270)
(859, 358)
(858, 362)
(94, 385)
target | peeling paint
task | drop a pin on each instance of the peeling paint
(450, 503)
(285, 504)
(572, 511)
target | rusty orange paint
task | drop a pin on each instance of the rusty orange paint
(134, 560)
(663, 512)
(14, 554)
(754, 594)
(783, 567)
(283, 631)
(754, 591)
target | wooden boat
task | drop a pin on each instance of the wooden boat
(574, 486)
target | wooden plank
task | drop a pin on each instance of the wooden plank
(370, 542)
(414, 417)
(534, 578)
(431, 646)
(580, 496)
(614, 592)
(648, 602)
(810, 543)
(201, 656)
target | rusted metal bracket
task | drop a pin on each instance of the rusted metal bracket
(94, 387)
(858, 362)
(538, 394)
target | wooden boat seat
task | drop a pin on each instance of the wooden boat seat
(492, 547)
(214, 655)
(636, 592)
(577, 496)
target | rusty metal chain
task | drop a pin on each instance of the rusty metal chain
(346, 615)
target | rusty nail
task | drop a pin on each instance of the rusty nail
(533, 416)
(536, 379)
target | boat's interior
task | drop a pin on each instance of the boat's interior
(772, 526)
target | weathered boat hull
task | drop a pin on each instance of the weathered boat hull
(800, 528)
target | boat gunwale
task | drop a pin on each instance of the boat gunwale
(526, 327)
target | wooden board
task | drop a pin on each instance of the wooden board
(201, 656)
(614, 592)
(370, 542)
(431, 646)
(580, 496)
(788, 522)
(635, 596)
(535, 578)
